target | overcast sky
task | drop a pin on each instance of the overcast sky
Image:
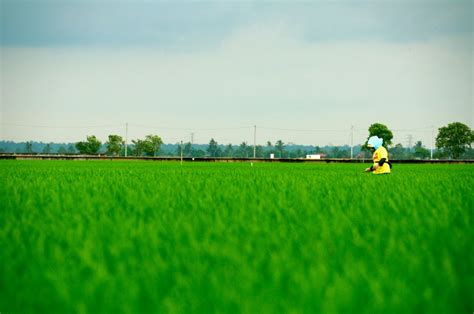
(303, 72)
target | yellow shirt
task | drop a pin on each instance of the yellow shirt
(380, 153)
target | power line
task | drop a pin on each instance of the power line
(424, 129)
(301, 130)
(188, 129)
(60, 127)
(354, 129)
(339, 132)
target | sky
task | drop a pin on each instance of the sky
(302, 72)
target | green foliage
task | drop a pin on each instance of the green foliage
(382, 131)
(420, 152)
(149, 146)
(179, 149)
(62, 150)
(114, 145)
(158, 237)
(280, 147)
(398, 152)
(454, 139)
(244, 151)
(152, 144)
(90, 146)
(71, 149)
(337, 152)
(138, 147)
(47, 149)
(199, 153)
(469, 154)
(259, 151)
(188, 149)
(228, 151)
(213, 149)
(29, 147)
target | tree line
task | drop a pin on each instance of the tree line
(452, 141)
(115, 146)
(151, 144)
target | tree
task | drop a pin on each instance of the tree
(90, 146)
(71, 150)
(152, 144)
(469, 154)
(47, 149)
(242, 151)
(62, 150)
(188, 149)
(297, 153)
(29, 147)
(269, 149)
(199, 153)
(382, 131)
(179, 149)
(454, 139)
(440, 154)
(420, 151)
(250, 151)
(138, 147)
(213, 148)
(339, 152)
(114, 145)
(398, 152)
(229, 151)
(280, 147)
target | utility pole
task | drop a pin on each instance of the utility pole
(352, 140)
(432, 145)
(254, 140)
(181, 153)
(192, 142)
(126, 138)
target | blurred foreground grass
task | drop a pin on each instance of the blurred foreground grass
(100, 236)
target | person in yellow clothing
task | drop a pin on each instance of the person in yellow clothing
(380, 157)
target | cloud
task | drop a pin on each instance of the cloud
(202, 25)
(264, 74)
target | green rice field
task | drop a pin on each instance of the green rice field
(145, 236)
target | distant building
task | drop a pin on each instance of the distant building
(315, 156)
